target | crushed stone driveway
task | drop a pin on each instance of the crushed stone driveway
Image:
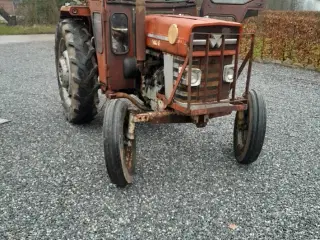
(54, 185)
(8, 39)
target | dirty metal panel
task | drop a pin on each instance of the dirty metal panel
(116, 80)
(161, 117)
(82, 11)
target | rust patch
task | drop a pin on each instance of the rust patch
(82, 11)
(162, 117)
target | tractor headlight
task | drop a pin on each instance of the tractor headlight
(228, 73)
(195, 76)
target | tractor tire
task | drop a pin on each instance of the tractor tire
(77, 71)
(119, 151)
(250, 129)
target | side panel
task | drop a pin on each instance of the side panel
(116, 80)
(110, 64)
(97, 12)
(230, 11)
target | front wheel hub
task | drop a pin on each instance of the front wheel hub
(242, 129)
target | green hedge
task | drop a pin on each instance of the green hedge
(286, 36)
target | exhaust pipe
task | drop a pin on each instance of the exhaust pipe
(140, 33)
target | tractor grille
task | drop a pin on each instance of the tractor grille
(204, 92)
(230, 38)
(205, 40)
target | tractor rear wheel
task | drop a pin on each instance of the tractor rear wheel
(250, 129)
(119, 142)
(76, 71)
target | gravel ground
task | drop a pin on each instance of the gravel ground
(188, 186)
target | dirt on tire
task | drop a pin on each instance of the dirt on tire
(81, 107)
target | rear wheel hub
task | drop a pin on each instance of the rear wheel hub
(65, 74)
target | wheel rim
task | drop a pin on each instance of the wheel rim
(64, 73)
(242, 129)
(127, 151)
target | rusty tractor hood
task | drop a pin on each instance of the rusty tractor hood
(171, 33)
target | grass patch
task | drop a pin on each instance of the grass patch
(16, 30)
(258, 48)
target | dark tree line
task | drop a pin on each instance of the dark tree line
(40, 11)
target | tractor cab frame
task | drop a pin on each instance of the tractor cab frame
(231, 10)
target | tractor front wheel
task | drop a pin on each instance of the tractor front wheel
(249, 130)
(119, 142)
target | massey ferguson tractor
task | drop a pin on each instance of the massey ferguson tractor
(156, 62)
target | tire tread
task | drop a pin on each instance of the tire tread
(83, 67)
(257, 135)
(115, 113)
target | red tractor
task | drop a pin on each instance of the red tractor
(155, 62)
